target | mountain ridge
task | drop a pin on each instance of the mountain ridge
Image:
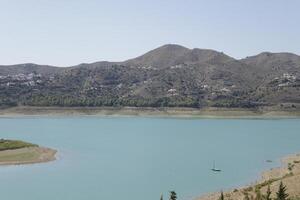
(170, 75)
(166, 45)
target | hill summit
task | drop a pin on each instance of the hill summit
(168, 76)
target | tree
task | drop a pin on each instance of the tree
(258, 195)
(281, 194)
(221, 196)
(173, 195)
(161, 197)
(268, 194)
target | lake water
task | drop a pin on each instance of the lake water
(110, 158)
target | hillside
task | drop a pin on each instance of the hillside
(28, 68)
(169, 76)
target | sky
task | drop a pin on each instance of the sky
(69, 32)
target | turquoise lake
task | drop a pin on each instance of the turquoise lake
(111, 158)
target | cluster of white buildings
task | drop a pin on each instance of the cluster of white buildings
(287, 79)
(21, 77)
(176, 67)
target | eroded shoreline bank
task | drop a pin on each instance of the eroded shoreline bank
(288, 173)
(232, 113)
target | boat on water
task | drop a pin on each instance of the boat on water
(214, 169)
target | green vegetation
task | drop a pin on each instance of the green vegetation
(291, 166)
(267, 196)
(14, 144)
(19, 153)
(173, 195)
(258, 195)
(248, 189)
(221, 196)
(268, 182)
(187, 79)
(73, 101)
(281, 194)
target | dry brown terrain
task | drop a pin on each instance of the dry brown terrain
(289, 174)
(28, 155)
(211, 112)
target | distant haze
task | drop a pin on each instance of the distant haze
(65, 33)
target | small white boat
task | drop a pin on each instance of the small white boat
(215, 169)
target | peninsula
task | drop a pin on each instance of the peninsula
(15, 152)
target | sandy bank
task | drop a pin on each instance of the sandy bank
(27, 155)
(288, 173)
(268, 112)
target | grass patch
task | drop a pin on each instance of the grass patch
(14, 144)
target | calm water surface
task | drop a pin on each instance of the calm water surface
(103, 158)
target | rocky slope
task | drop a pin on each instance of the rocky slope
(170, 75)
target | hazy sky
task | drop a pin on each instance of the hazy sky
(69, 32)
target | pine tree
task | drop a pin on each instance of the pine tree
(173, 195)
(221, 196)
(281, 194)
(268, 194)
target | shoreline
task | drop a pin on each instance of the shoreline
(28, 155)
(209, 113)
(288, 172)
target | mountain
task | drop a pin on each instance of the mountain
(28, 68)
(277, 76)
(171, 75)
(171, 54)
